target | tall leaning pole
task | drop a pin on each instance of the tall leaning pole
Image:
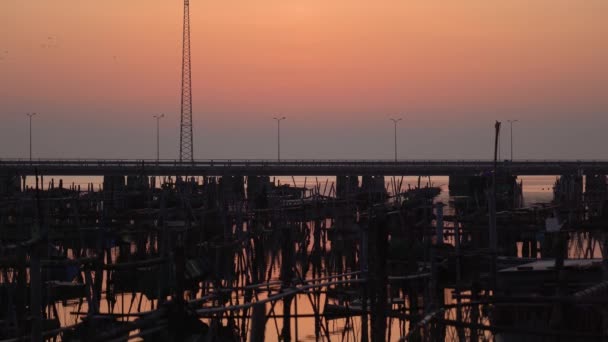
(186, 153)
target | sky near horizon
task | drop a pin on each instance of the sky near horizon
(97, 71)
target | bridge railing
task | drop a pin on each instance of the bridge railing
(290, 164)
(80, 161)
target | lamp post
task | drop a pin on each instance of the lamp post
(511, 124)
(395, 121)
(158, 117)
(31, 115)
(279, 136)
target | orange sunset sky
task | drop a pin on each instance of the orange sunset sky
(97, 71)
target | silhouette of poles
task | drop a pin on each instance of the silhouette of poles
(158, 117)
(30, 116)
(279, 136)
(511, 124)
(395, 121)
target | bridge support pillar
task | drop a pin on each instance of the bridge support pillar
(137, 182)
(9, 184)
(596, 194)
(232, 187)
(114, 188)
(347, 187)
(374, 188)
(568, 190)
(258, 188)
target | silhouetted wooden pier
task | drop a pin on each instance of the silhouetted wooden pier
(239, 257)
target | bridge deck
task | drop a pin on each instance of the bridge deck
(92, 167)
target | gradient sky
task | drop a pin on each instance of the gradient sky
(97, 71)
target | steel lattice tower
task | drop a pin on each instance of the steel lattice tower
(186, 152)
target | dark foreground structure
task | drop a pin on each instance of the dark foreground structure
(219, 251)
(256, 167)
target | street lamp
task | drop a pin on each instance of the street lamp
(158, 117)
(395, 121)
(31, 115)
(511, 124)
(279, 136)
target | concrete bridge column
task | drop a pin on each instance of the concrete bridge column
(374, 187)
(10, 184)
(258, 188)
(113, 188)
(232, 187)
(568, 190)
(596, 194)
(138, 182)
(347, 186)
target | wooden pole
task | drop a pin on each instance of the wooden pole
(258, 323)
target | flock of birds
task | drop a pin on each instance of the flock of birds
(51, 42)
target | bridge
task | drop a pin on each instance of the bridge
(256, 167)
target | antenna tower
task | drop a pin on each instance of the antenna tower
(186, 153)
